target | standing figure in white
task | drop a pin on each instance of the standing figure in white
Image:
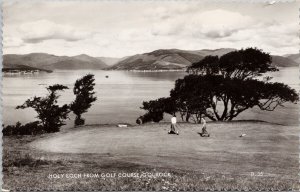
(173, 125)
(204, 131)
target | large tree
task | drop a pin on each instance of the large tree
(221, 99)
(85, 96)
(222, 88)
(52, 115)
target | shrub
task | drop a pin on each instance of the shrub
(32, 128)
(85, 96)
(51, 115)
(79, 121)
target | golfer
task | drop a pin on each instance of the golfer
(173, 125)
(204, 123)
(204, 131)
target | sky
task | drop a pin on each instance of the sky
(119, 28)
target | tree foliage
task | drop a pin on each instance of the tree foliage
(52, 115)
(157, 108)
(188, 93)
(32, 128)
(85, 96)
(245, 63)
(208, 65)
(220, 98)
(241, 64)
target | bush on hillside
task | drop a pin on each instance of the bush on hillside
(51, 115)
(32, 128)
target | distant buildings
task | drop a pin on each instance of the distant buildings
(19, 71)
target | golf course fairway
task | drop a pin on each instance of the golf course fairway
(267, 148)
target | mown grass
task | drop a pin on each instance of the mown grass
(27, 169)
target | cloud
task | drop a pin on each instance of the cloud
(273, 35)
(222, 28)
(167, 10)
(41, 30)
(112, 29)
(209, 24)
(10, 42)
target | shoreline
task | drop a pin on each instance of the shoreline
(148, 70)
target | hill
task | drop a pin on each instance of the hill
(22, 68)
(214, 52)
(280, 61)
(172, 59)
(294, 57)
(78, 62)
(162, 59)
(52, 62)
(110, 60)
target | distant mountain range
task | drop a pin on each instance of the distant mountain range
(159, 59)
(162, 59)
(214, 52)
(294, 57)
(170, 59)
(281, 61)
(110, 60)
(52, 62)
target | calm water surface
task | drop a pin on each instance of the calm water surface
(119, 96)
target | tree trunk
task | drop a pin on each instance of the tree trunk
(182, 116)
(225, 109)
(79, 120)
(210, 117)
(187, 117)
(214, 107)
(236, 114)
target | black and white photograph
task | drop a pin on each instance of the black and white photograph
(138, 95)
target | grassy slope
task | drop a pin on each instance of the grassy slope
(223, 161)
